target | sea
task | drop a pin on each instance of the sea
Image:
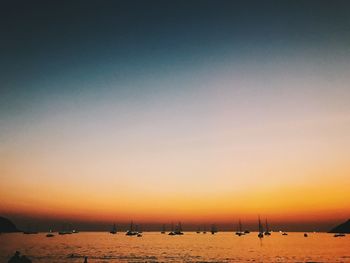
(190, 247)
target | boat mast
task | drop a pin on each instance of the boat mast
(260, 226)
(267, 226)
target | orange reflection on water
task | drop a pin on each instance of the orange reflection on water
(191, 247)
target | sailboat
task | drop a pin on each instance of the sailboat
(240, 232)
(131, 231)
(114, 230)
(178, 229)
(261, 230)
(29, 231)
(213, 229)
(138, 231)
(172, 232)
(198, 230)
(64, 230)
(267, 232)
(50, 234)
(163, 229)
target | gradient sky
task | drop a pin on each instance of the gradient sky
(201, 111)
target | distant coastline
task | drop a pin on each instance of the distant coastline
(7, 226)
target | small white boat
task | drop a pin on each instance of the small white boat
(50, 234)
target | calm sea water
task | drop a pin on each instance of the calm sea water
(191, 247)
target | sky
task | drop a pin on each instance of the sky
(160, 111)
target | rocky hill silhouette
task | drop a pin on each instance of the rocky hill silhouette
(342, 228)
(6, 226)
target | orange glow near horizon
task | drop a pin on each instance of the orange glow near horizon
(214, 155)
(277, 204)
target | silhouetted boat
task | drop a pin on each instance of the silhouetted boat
(339, 235)
(267, 231)
(131, 231)
(204, 230)
(246, 231)
(178, 229)
(198, 230)
(114, 230)
(261, 230)
(284, 234)
(163, 229)
(240, 232)
(50, 234)
(213, 229)
(138, 229)
(30, 231)
(305, 235)
(64, 230)
(172, 232)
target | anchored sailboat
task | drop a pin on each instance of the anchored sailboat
(114, 230)
(240, 232)
(172, 232)
(177, 231)
(267, 232)
(50, 234)
(163, 229)
(29, 231)
(213, 229)
(261, 229)
(131, 231)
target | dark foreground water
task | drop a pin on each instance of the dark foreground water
(191, 247)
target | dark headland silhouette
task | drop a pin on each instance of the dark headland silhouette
(6, 226)
(342, 228)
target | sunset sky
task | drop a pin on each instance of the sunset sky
(159, 111)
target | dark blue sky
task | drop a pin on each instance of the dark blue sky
(47, 41)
